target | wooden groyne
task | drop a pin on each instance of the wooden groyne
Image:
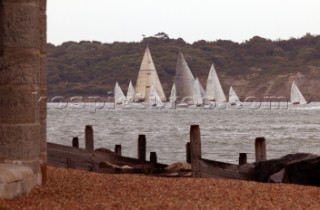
(102, 159)
(300, 168)
(209, 168)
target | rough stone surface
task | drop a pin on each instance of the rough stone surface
(43, 141)
(22, 79)
(18, 105)
(21, 25)
(20, 67)
(1, 37)
(43, 71)
(34, 164)
(43, 5)
(19, 141)
(16, 180)
(43, 32)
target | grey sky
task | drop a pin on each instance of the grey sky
(192, 20)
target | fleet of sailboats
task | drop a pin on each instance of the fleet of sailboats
(186, 90)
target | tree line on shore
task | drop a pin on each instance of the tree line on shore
(92, 68)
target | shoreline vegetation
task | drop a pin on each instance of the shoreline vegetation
(257, 67)
(76, 189)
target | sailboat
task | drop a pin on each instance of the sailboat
(130, 93)
(154, 99)
(147, 77)
(203, 92)
(233, 98)
(119, 96)
(173, 94)
(197, 93)
(214, 91)
(184, 81)
(296, 96)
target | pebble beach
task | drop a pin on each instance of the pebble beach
(75, 189)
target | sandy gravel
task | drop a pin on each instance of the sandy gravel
(73, 189)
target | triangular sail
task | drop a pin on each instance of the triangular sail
(214, 89)
(119, 96)
(184, 81)
(296, 96)
(154, 99)
(148, 76)
(173, 95)
(197, 92)
(130, 92)
(233, 98)
(203, 92)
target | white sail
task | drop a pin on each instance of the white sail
(184, 81)
(214, 90)
(154, 99)
(233, 98)
(296, 96)
(173, 95)
(130, 92)
(197, 92)
(119, 96)
(203, 92)
(148, 76)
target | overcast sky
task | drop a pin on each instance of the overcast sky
(192, 20)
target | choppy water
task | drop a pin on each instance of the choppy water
(224, 132)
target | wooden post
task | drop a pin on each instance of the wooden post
(153, 157)
(69, 163)
(260, 149)
(89, 141)
(75, 142)
(242, 158)
(195, 150)
(142, 147)
(188, 155)
(117, 149)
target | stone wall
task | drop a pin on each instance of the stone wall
(23, 85)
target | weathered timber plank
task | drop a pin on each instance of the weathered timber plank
(215, 169)
(83, 157)
(77, 163)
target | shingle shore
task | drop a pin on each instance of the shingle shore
(74, 189)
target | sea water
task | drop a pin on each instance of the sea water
(225, 131)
